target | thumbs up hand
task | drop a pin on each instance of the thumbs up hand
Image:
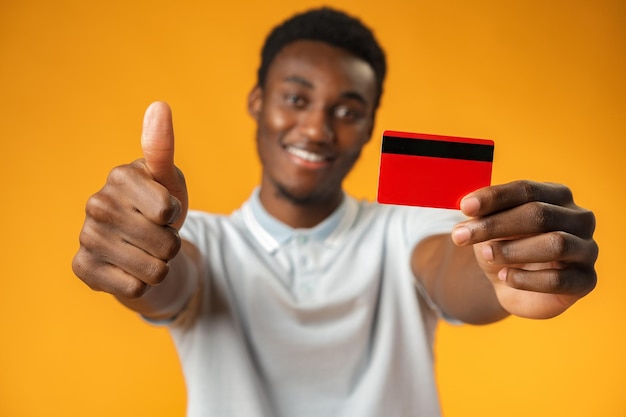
(131, 225)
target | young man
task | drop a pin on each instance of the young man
(305, 302)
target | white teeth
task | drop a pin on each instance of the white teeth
(306, 155)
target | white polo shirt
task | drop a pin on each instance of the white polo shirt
(311, 322)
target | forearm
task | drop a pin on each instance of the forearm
(171, 297)
(455, 282)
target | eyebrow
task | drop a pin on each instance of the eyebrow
(353, 95)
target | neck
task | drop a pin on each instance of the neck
(298, 214)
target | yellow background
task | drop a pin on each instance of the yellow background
(544, 79)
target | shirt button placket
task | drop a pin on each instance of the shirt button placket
(305, 282)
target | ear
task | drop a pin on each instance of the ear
(255, 102)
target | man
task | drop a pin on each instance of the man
(306, 302)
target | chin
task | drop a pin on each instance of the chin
(301, 197)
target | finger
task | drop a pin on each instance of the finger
(549, 247)
(160, 242)
(139, 264)
(568, 281)
(496, 198)
(528, 219)
(129, 189)
(106, 246)
(157, 142)
(128, 227)
(102, 276)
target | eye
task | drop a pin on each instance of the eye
(295, 100)
(346, 112)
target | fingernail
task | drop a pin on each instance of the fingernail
(470, 205)
(502, 274)
(487, 252)
(461, 235)
(177, 210)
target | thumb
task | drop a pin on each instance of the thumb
(157, 145)
(157, 141)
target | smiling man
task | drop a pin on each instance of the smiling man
(306, 302)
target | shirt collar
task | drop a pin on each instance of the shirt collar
(271, 233)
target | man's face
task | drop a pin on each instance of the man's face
(314, 114)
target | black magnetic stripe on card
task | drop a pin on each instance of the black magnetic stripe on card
(438, 149)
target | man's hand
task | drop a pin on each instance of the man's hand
(534, 244)
(131, 225)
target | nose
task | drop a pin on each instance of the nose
(315, 125)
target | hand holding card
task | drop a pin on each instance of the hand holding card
(432, 170)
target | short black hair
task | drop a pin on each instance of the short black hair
(330, 26)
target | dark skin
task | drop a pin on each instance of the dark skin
(527, 249)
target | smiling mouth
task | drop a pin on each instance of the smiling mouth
(306, 155)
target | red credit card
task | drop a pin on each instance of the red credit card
(431, 170)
